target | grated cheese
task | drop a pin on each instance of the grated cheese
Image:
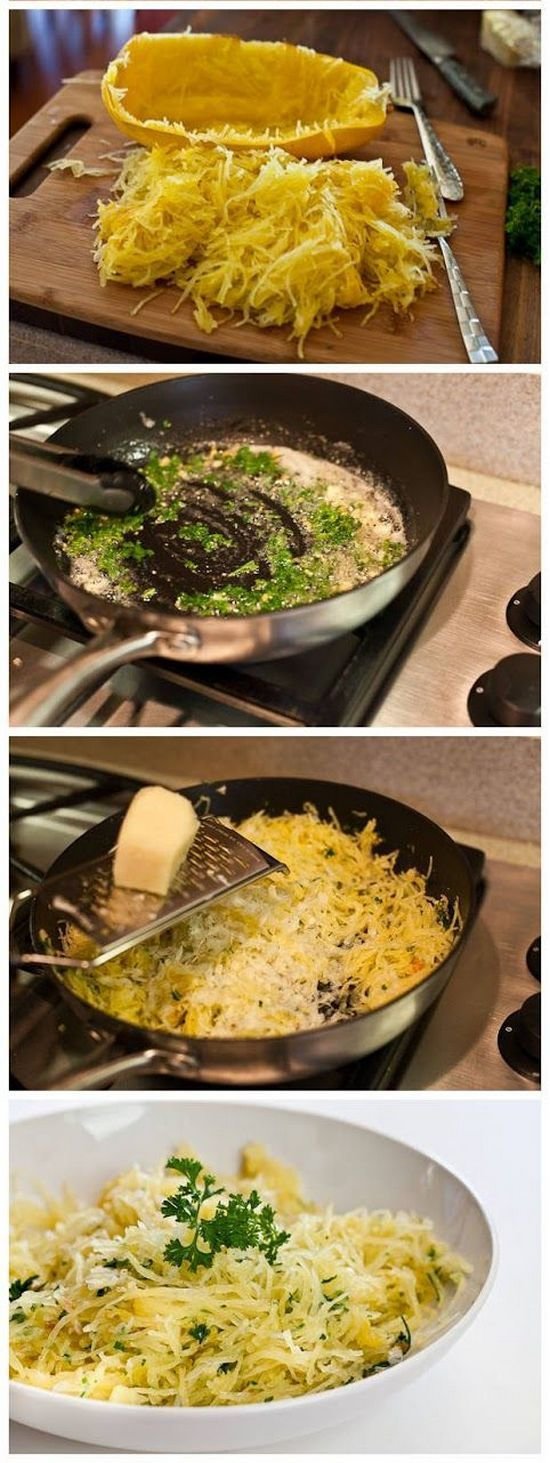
(345, 1296)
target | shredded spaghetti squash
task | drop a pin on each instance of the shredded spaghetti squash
(266, 238)
(99, 1312)
(215, 88)
(342, 933)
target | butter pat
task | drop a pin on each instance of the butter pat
(155, 838)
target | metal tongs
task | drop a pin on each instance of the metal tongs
(114, 920)
(75, 477)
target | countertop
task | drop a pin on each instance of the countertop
(484, 1397)
(359, 36)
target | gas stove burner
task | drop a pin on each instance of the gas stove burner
(519, 1039)
(533, 959)
(509, 694)
(523, 613)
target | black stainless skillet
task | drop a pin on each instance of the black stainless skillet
(312, 414)
(278, 1059)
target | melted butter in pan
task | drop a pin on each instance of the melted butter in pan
(238, 529)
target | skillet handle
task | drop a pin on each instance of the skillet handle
(148, 1062)
(49, 703)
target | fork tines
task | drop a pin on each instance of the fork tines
(404, 81)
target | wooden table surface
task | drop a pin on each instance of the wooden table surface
(371, 38)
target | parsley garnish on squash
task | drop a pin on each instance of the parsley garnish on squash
(237, 1223)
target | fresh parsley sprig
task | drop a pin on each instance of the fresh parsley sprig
(237, 1224)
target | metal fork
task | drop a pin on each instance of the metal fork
(407, 96)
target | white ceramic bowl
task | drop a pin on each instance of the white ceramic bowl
(339, 1162)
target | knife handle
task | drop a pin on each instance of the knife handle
(465, 85)
(479, 350)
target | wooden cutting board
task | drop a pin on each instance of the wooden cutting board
(52, 267)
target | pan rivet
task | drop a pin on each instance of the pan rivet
(189, 641)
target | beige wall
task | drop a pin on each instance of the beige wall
(485, 423)
(484, 784)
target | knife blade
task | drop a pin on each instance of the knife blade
(441, 53)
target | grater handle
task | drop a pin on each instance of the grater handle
(17, 905)
(30, 959)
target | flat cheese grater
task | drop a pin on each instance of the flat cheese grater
(219, 861)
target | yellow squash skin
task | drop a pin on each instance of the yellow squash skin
(245, 94)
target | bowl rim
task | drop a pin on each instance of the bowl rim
(241, 1410)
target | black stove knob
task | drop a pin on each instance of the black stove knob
(533, 959)
(523, 613)
(528, 1027)
(515, 691)
(519, 1039)
(532, 601)
(509, 694)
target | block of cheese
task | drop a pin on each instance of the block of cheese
(155, 838)
(511, 38)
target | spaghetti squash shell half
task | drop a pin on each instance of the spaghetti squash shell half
(244, 94)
